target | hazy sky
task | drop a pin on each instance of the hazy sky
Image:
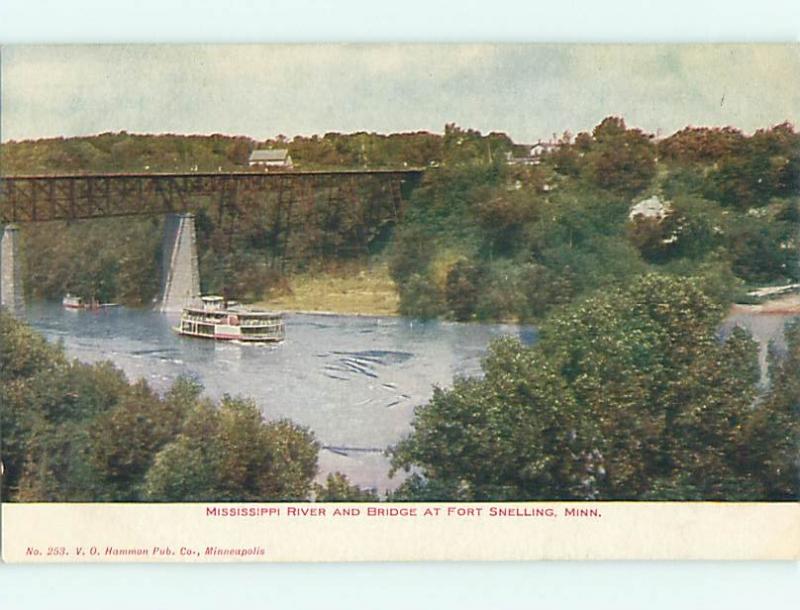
(527, 91)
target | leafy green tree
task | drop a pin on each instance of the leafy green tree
(46, 404)
(502, 219)
(470, 147)
(413, 253)
(700, 145)
(621, 160)
(337, 488)
(771, 449)
(420, 297)
(691, 227)
(663, 396)
(762, 248)
(24, 357)
(502, 291)
(544, 289)
(627, 395)
(463, 289)
(763, 166)
(125, 439)
(230, 453)
(506, 437)
(57, 466)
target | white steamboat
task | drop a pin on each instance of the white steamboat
(228, 321)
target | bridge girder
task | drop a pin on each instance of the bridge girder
(73, 197)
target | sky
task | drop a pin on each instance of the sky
(527, 91)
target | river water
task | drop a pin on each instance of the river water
(767, 329)
(353, 380)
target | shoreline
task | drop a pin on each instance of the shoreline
(786, 305)
(352, 291)
(312, 312)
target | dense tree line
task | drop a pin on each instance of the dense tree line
(486, 239)
(628, 395)
(482, 238)
(110, 260)
(141, 153)
(81, 432)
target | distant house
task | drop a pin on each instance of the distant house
(534, 156)
(271, 158)
(540, 148)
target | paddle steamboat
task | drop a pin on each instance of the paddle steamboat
(225, 320)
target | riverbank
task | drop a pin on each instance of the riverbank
(789, 304)
(363, 291)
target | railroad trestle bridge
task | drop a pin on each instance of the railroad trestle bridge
(290, 198)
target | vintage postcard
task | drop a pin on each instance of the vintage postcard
(399, 302)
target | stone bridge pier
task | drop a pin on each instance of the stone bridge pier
(12, 298)
(180, 275)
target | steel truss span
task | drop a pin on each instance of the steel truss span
(73, 197)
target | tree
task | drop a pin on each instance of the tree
(689, 228)
(338, 488)
(544, 289)
(44, 402)
(763, 166)
(463, 289)
(772, 435)
(125, 439)
(502, 219)
(503, 438)
(700, 145)
(421, 297)
(663, 397)
(230, 454)
(621, 160)
(627, 395)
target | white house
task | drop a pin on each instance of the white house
(271, 158)
(534, 156)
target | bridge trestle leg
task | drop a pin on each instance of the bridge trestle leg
(180, 277)
(12, 298)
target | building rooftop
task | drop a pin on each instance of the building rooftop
(269, 154)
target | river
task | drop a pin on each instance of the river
(765, 328)
(353, 380)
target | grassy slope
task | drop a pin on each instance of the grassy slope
(357, 289)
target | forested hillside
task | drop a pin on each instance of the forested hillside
(490, 240)
(483, 236)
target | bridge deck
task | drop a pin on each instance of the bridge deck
(40, 198)
(410, 171)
